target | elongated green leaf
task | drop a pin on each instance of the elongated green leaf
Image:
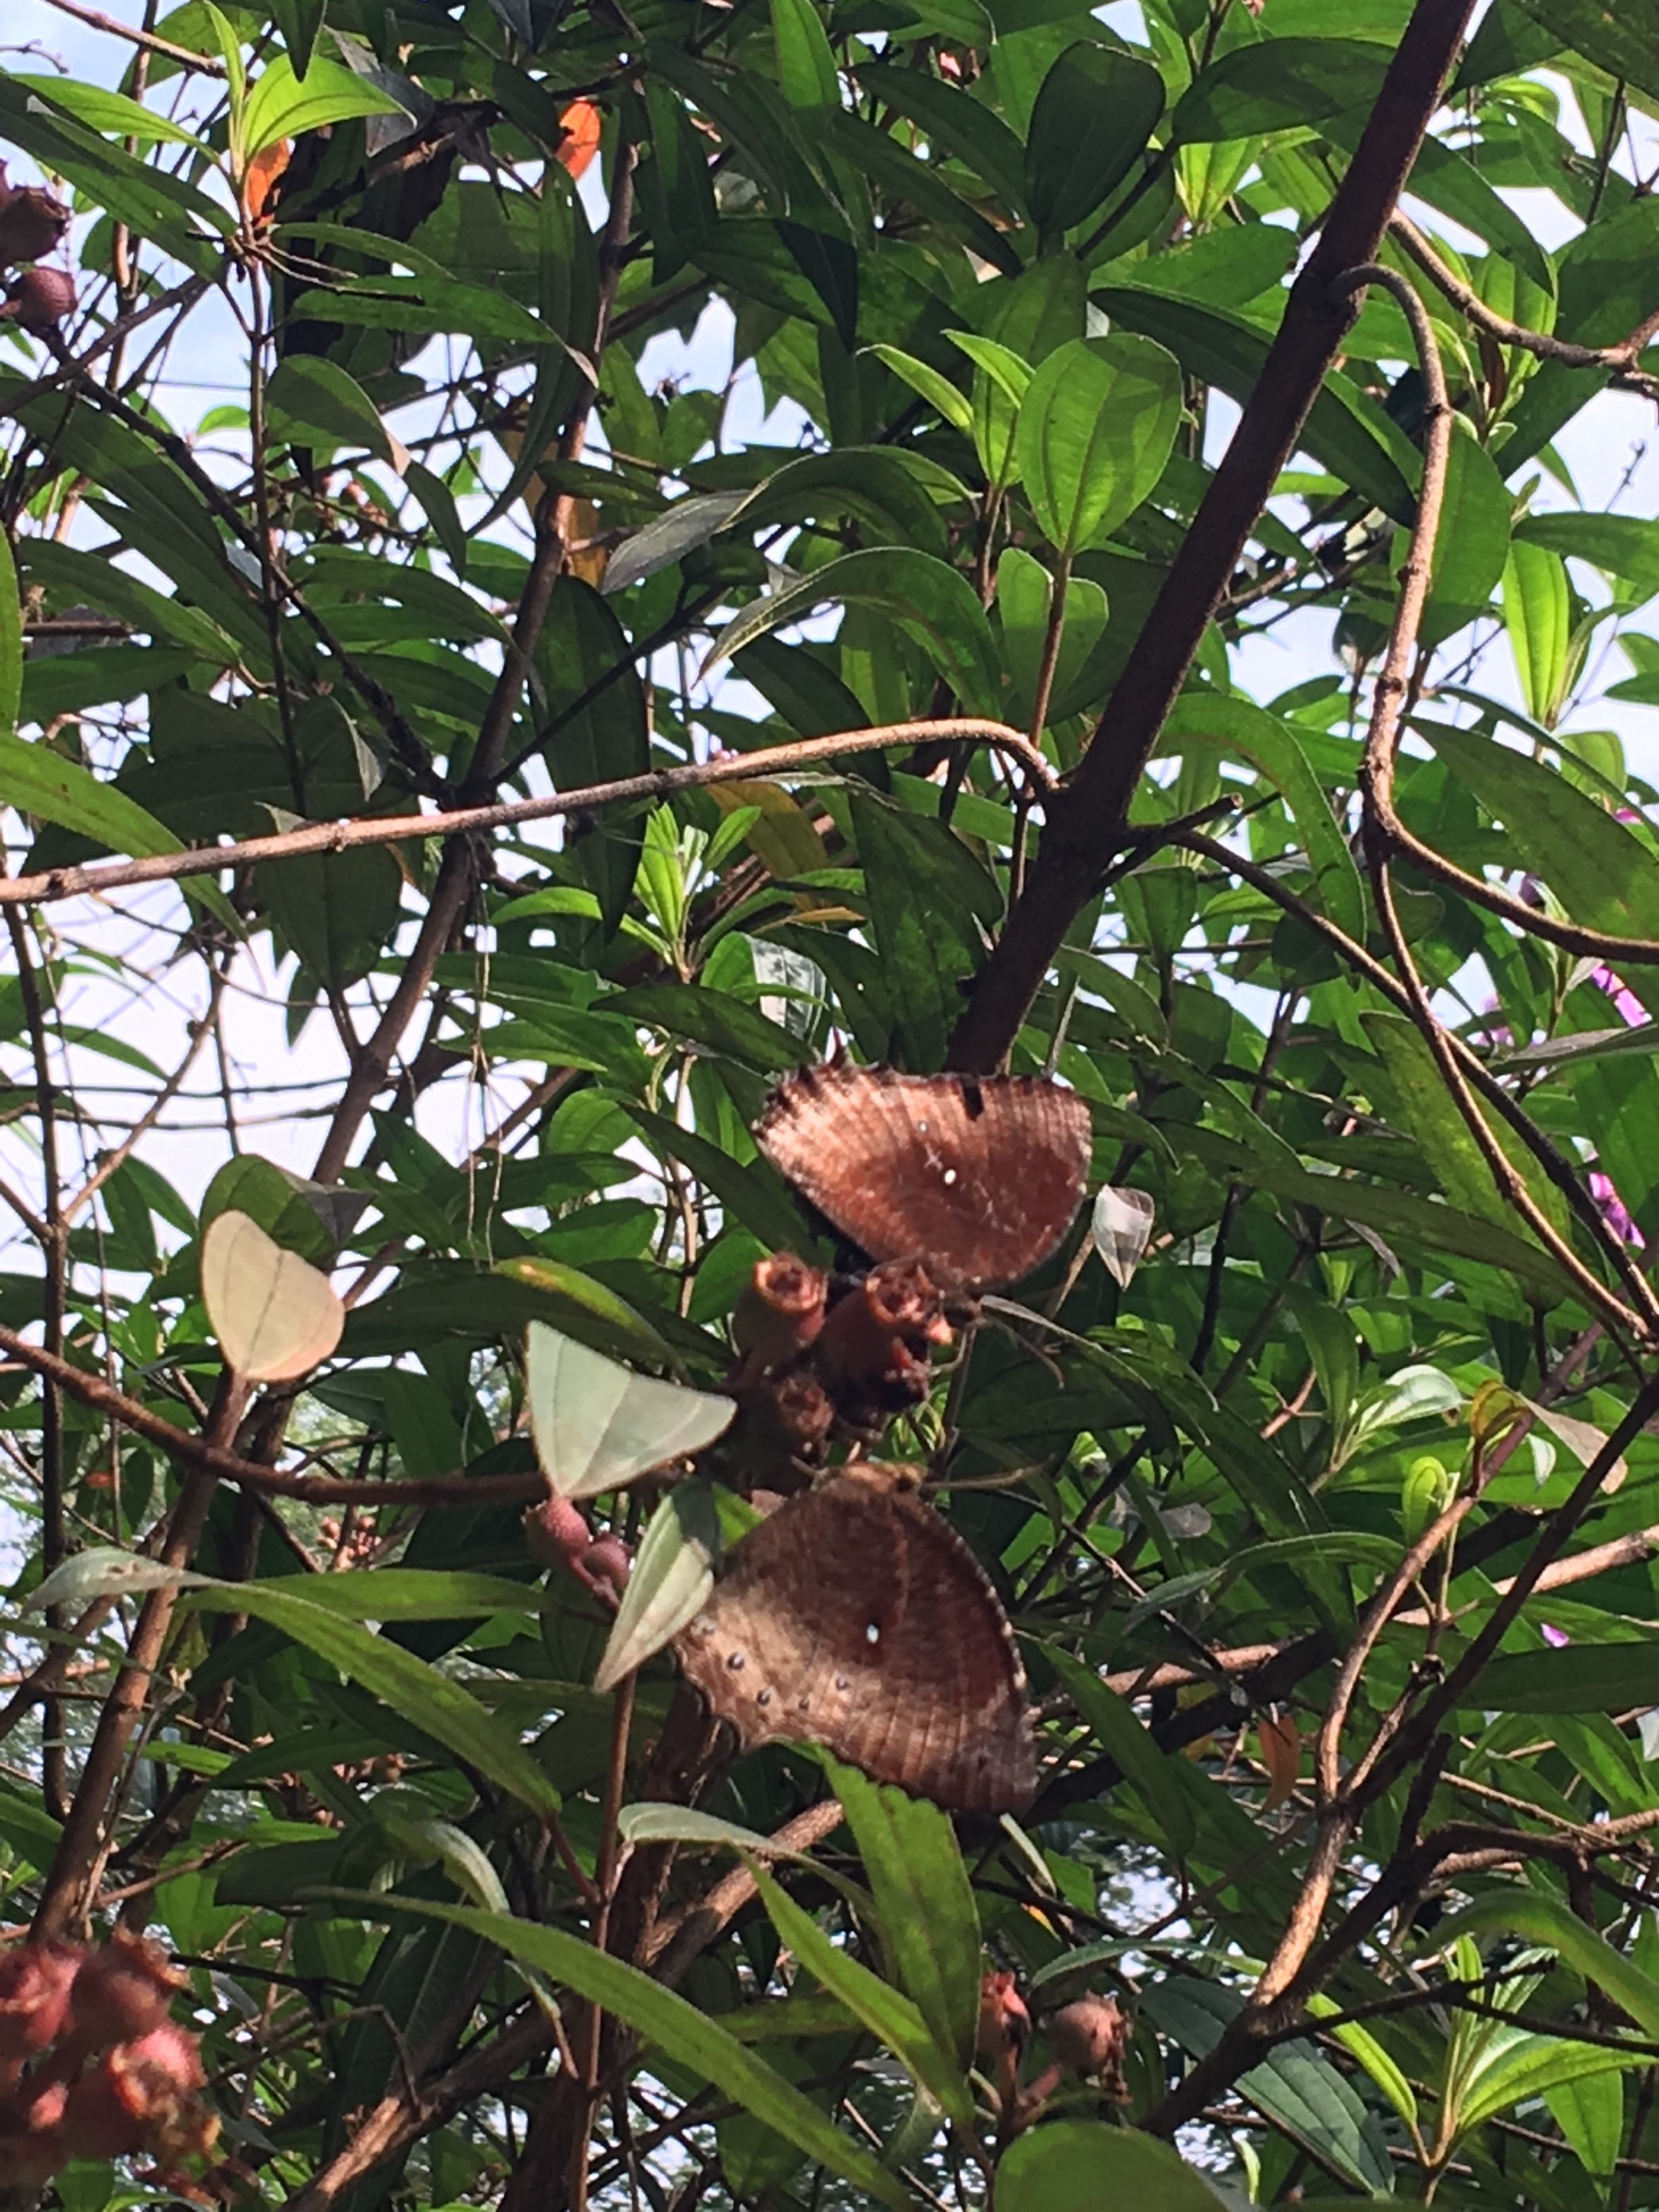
(924, 1899)
(1623, 41)
(1093, 114)
(1589, 1678)
(669, 1586)
(1349, 433)
(1605, 875)
(886, 2011)
(1276, 85)
(934, 603)
(408, 1593)
(1143, 1765)
(1538, 615)
(281, 105)
(1471, 544)
(436, 1705)
(1589, 2110)
(676, 2027)
(1275, 747)
(806, 67)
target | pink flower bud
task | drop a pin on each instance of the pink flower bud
(122, 1992)
(35, 1980)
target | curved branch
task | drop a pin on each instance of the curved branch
(271, 1482)
(659, 783)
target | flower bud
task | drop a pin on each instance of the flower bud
(1005, 2025)
(35, 1981)
(1089, 2036)
(122, 1991)
(780, 1312)
(31, 221)
(39, 298)
(607, 1559)
(556, 1531)
(873, 1350)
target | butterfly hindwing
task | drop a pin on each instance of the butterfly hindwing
(855, 1618)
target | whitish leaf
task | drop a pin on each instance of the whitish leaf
(598, 1425)
(672, 1576)
(1122, 1225)
(104, 1570)
(274, 1314)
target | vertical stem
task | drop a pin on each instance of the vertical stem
(64, 1899)
(55, 1256)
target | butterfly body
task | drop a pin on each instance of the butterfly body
(978, 1176)
(855, 1618)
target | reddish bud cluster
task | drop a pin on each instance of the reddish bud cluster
(33, 222)
(90, 2064)
(1088, 2037)
(558, 1535)
(818, 1357)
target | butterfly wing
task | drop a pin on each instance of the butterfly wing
(597, 1425)
(274, 1314)
(858, 1620)
(980, 1176)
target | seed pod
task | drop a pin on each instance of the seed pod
(1089, 2036)
(32, 221)
(121, 1992)
(780, 1312)
(39, 298)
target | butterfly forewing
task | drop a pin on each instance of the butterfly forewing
(857, 1619)
(978, 1174)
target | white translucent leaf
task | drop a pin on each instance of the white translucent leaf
(673, 1576)
(103, 1570)
(597, 1425)
(274, 1314)
(1122, 1223)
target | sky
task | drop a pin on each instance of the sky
(1611, 450)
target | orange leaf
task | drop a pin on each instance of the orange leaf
(1281, 1754)
(259, 178)
(580, 141)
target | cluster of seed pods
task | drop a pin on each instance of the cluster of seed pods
(91, 2066)
(819, 1358)
(33, 222)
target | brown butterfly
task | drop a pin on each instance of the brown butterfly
(978, 1175)
(855, 1618)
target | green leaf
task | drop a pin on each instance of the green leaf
(407, 1593)
(675, 2027)
(299, 21)
(308, 394)
(1278, 84)
(1274, 747)
(592, 726)
(932, 602)
(1363, 2046)
(280, 105)
(1589, 2110)
(926, 890)
(437, 1705)
(1622, 41)
(954, 120)
(889, 2014)
(751, 1195)
(1084, 2166)
(1626, 545)
(1121, 1736)
(937, 389)
(1539, 1919)
(37, 780)
(338, 911)
(713, 1020)
(110, 112)
(1538, 616)
(1093, 117)
(1606, 876)
(672, 1574)
(924, 1902)
(1471, 544)
(806, 67)
(1347, 432)
(1581, 1678)
(1609, 280)
(1096, 428)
